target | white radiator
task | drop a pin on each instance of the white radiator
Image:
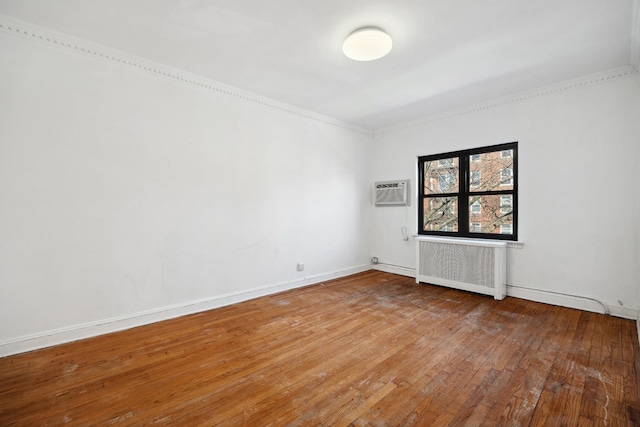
(470, 265)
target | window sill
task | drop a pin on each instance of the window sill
(487, 242)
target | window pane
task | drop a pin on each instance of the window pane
(491, 214)
(441, 176)
(506, 229)
(506, 204)
(476, 208)
(493, 171)
(506, 177)
(475, 178)
(441, 214)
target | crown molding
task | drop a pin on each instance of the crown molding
(590, 80)
(75, 45)
(635, 36)
(98, 52)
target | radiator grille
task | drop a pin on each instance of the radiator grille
(460, 263)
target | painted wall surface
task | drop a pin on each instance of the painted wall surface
(122, 191)
(579, 200)
(637, 191)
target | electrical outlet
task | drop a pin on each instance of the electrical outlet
(300, 266)
(374, 260)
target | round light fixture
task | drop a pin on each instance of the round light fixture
(367, 44)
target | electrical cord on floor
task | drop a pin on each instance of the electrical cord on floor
(396, 265)
(606, 309)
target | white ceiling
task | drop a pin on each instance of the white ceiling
(447, 53)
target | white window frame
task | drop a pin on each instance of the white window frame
(506, 207)
(475, 184)
(506, 228)
(479, 208)
(503, 175)
(445, 163)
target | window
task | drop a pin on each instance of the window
(506, 176)
(506, 228)
(445, 181)
(505, 204)
(475, 178)
(456, 201)
(445, 163)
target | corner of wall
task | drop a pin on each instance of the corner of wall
(101, 327)
(638, 325)
(635, 36)
(395, 269)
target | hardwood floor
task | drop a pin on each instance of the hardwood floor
(374, 349)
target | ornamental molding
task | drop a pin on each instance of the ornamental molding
(78, 46)
(75, 45)
(581, 82)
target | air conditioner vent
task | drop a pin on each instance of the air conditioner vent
(392, 193)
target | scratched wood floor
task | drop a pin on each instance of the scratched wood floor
(373, 349)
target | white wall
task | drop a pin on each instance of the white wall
(579, 152)
(637, 191)
(126, 197)
(122, 193)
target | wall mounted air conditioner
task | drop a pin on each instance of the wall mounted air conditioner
(392, 193)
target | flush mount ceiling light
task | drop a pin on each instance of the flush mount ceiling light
(367, 44)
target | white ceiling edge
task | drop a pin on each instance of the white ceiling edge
(580, 82)
(99, 52)
(83, 47)
(635, 36)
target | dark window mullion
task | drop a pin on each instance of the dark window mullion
(436, 195)
(490, 193)
(422, 195)
(463, 199)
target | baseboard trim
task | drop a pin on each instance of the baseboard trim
(92, 329)
(395, 269)
(570, 302)
(638, 326)
(101, 327)
(539, 295)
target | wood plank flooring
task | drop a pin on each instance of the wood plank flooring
(373, 349)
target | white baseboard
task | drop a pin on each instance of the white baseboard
(395, 269)
(92, 329)
(638, 324)
(575, 302)
(570, 302)
(624, 312)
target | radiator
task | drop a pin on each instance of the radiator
(470, 265)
